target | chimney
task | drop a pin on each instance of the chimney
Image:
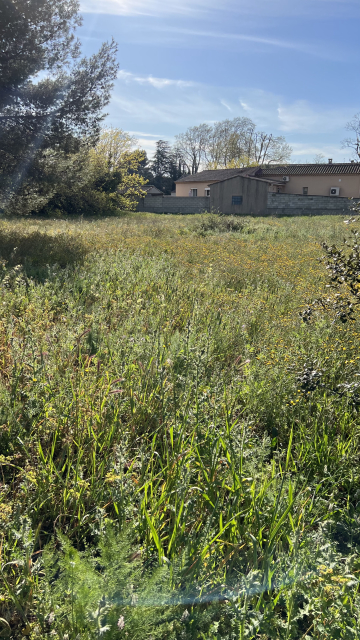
(352, 161)
(330, 160)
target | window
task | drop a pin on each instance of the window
(193, 192)
(236, 200)
(207, 192)
(305, 191)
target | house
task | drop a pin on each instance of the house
(331, 179)
(199, 183)
(151, 190)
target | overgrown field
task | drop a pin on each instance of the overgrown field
(179, 450)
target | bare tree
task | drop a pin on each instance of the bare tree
(319, 158)
(269, 149)
(191, 146)
(229, 143)
(354, 142)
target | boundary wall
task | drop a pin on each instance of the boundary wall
(278, 204)
(173, 204)
(287, 204)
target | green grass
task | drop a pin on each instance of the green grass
(177, 446)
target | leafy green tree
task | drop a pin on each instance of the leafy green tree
(166, 167)
(42, 117)
(102, 180)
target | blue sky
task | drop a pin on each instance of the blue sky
(290, 65)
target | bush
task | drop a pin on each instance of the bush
(211, 223)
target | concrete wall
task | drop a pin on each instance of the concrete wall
(285, 204)
(254, 194)
(256, 201)
(320, 185)
(169, 204)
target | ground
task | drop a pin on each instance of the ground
(161, 393)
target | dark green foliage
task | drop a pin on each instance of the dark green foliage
(43, 122)
(343, 272)
(166, 167)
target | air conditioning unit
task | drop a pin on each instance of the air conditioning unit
(335, 191)
(286, 179)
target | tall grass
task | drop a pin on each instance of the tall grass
(175, 452)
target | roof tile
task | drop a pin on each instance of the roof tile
(311, 169)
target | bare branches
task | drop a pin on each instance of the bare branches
(230, 144)
(353, 142)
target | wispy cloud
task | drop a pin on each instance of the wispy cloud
(226, 105)
(169, 106)
(226, 37)
(306, 152)
(158, 83)
(183, 103)
(303, 117)
(316, 8)
(146, 7)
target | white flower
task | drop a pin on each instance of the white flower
(121, 623)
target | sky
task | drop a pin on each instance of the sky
(289, 65)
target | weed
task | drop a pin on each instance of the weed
(179, 451)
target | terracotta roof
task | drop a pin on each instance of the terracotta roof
(217, 174)
(311, 169)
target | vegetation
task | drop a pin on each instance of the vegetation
(105, 179)
(51, 101)
(179, 449)
(228, 144)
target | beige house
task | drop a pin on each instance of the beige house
(199, 183)
(331, 179)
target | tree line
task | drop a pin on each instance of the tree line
(55, 155)
(224, 145)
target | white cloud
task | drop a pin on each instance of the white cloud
(315, 8)
(241, 37)
(183, 103)
(226, 105)
(145, 7)
(159, 108)
(307, 152)
(302, 117)
(158, 83)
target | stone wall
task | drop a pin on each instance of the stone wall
(286, 204)
(173, 204)
(278, 204)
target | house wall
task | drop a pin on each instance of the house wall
(168, 204)
(253, 192)
(286, 204)
(183, 188)
(321, 185)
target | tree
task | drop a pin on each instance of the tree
(230, 144)
(191, 146)
(353, 142)
(268, 149)
(115, 167)
(166, 167)
(102, 180)
(57, 114)
(160, 164)
(110, 149)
